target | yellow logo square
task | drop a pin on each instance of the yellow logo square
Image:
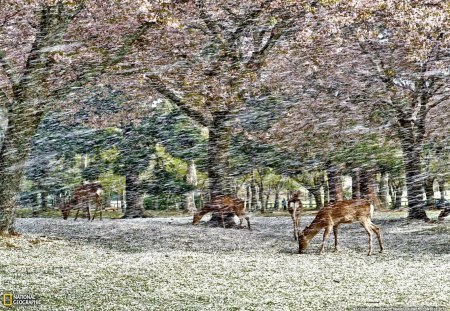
(8, 300)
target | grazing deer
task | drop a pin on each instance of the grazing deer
(343, 212)
(295, 212)
(224, 205)
(444, 213)
(81, 197)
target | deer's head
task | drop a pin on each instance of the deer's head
(65, 210)
(444, 214)
(197, 218)
(302, 243)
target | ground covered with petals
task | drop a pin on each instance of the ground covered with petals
(169, 264)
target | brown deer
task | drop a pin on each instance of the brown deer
(444, 213)
(224, 205)
(81, 197)
(334, 214)
(295, 212)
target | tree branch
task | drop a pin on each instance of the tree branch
(8, 68)
(436, 103)
(159, 85)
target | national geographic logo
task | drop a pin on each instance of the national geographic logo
(12, 299)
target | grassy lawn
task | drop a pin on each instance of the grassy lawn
(168, 264)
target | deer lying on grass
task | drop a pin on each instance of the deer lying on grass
(444, 213)
(332, 215)
(81, 197)
(295, 212)
(224, 205)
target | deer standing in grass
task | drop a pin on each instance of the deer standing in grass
(81, 197)
(224, 205)
(295, 212)
(334, 214)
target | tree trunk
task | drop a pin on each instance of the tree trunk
(335, 183)
(368, 186)
(134, 208)
(317, 197)
(254, 201)
(276, 204)
(23, 122)
(326, 191)
(261, 197)
(414, 183)
(384, 189)
(218, 156)
(356, 187)
(44, 198)
(248, 197)
(191, 179)
(441, 183)
(218, 145)
(429, 192)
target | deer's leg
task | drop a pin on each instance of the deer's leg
(223, 220)
(326, 234)
(88, 211)
(377, 231)
(248, 222)
(369, 232)
(95, 211)
(76, 215)
(335, 233)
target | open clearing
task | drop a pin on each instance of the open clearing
(168, 264)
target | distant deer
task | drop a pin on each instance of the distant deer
(224, 205)
(444, 213)
(343, 212)
(295, 212)
(81, 197)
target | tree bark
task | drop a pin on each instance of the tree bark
(134, 208)
(44, 198)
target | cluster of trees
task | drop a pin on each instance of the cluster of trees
(297, 88)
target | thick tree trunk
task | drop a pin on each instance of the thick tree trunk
(429, 192)
(218, 145)
(134, 208)
(24, 120)
(191, 179)
(356, 184)
(414, 183)
(335, 183)
(368, 186)
(218, 156)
